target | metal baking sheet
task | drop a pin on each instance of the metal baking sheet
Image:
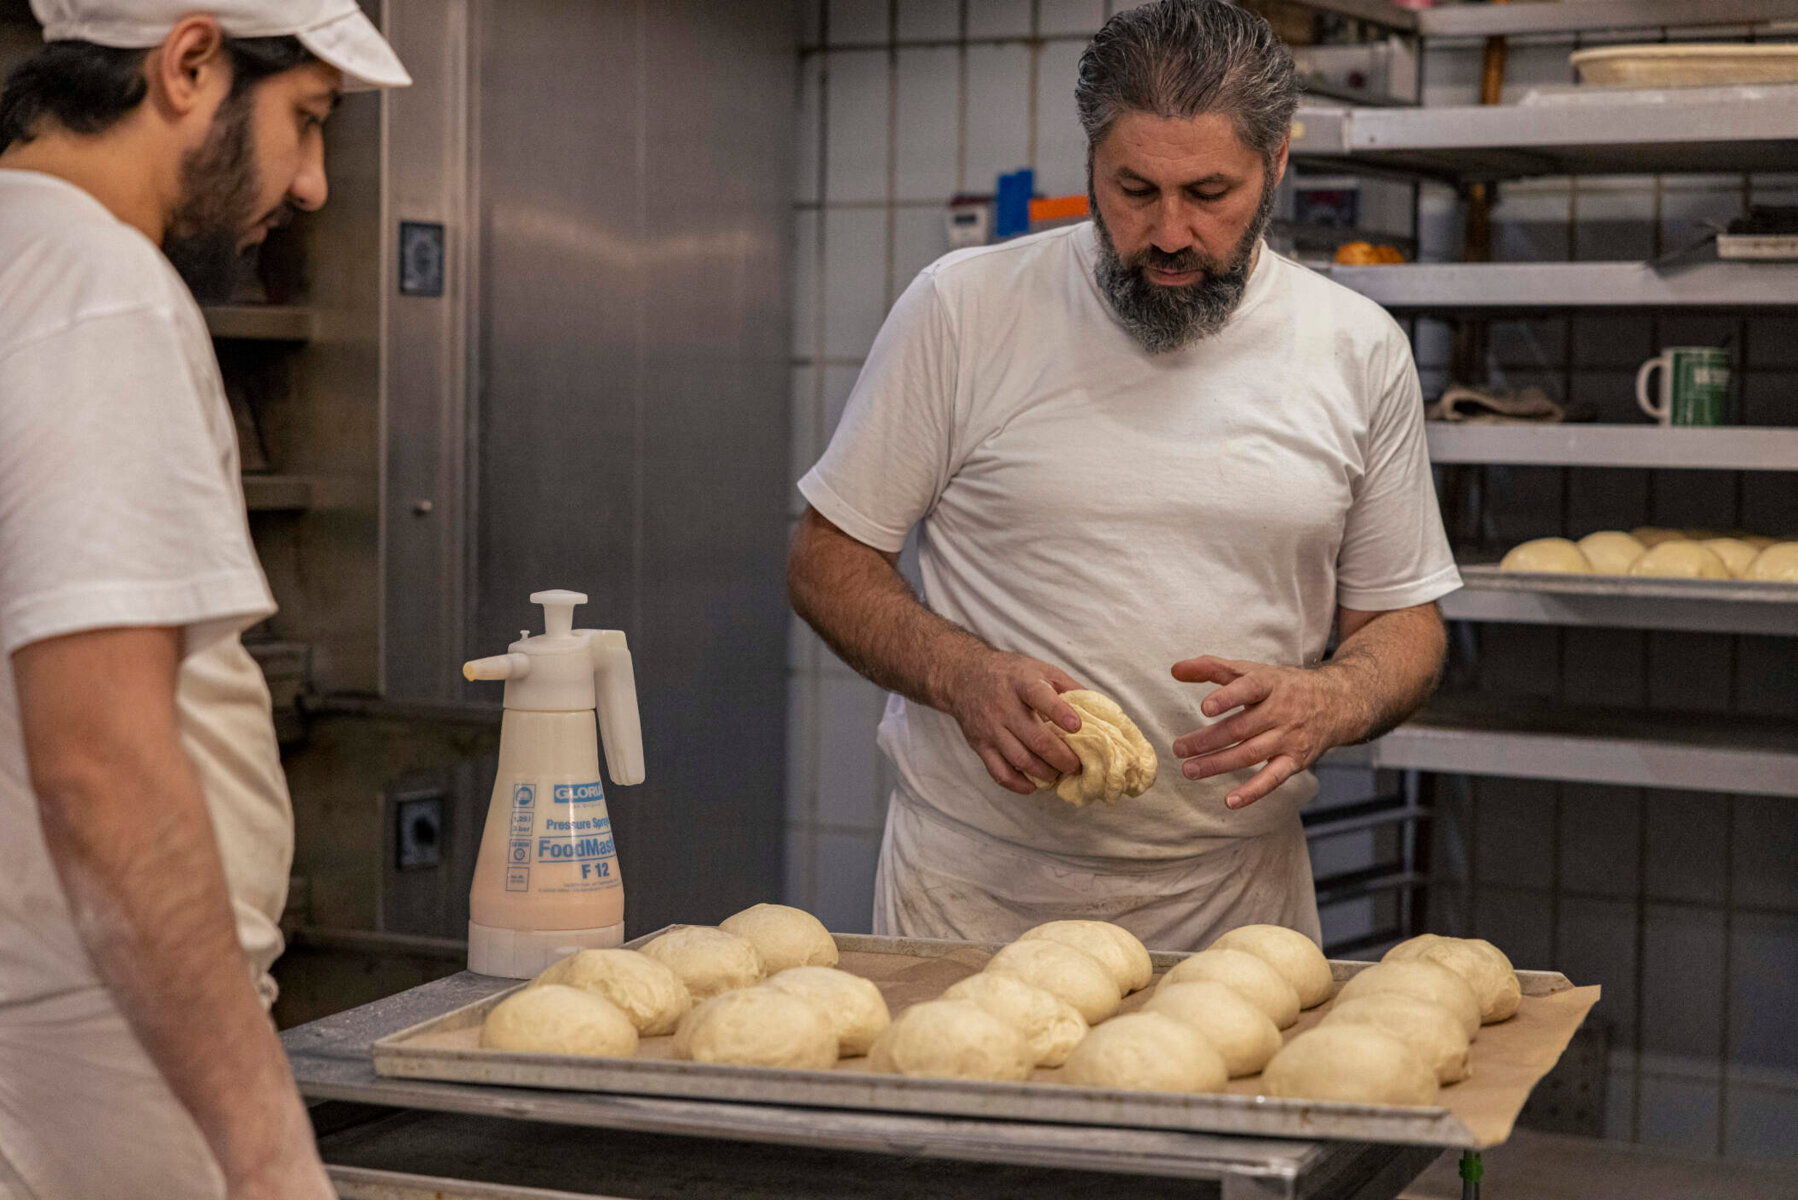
(443, 1048)
(1488, 576)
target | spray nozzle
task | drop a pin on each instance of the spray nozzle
(558, 609)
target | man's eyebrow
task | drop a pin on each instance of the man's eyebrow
(1214, 177)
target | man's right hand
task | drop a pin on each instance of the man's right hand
(1001, 701)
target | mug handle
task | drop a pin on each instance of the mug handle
(1660, 414)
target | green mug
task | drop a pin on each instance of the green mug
(1694, 386)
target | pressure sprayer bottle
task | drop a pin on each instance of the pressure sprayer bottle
(546, 879)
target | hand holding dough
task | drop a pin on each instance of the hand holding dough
(1116, 760)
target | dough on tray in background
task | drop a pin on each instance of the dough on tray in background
(757, 1027)
(852, 1006)
(1298, 959)
(648, 991)
(1778, 563)
(1241, 971)
(1425, 980)
(1553, 554)
(1050, 1025)
(784, 936)
(952, 1039)
(1484, 966)
(1611, 551)
(1241, 1033)
(1680, 560)
(709, 961)
(1116, 947)
(1061, 970)
(1352, 1063)
(1146, 1051)
(556, 1019)
(1433, 1033)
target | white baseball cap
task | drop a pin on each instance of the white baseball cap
(334, 30)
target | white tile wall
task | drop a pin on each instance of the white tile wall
(998, 114)
(929, 20)
(1060, 142)
(998, 18)
(806, 281)
(809, 120)
(928, 123)
(855, 277)
(856, 127)
(857, 22)
(1061, 17)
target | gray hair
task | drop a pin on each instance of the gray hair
(1181, 58)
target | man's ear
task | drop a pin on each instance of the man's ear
(191, 70)
(1280, 162)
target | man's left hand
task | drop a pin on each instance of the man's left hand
(1289, 716)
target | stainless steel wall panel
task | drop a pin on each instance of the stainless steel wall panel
(635, 183)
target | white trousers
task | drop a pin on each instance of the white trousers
(85, 1114)
(941, 880)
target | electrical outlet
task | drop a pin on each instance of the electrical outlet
(420, 831)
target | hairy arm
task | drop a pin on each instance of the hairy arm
(1386, 664)
(132, 843)
(855, 598)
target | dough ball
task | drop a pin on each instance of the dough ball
(650, 994)
(1116, 760)
(1433, 1033)
(757, 1027)
(708, 961)
(557, 1019)
(1735, 553)
(1074, 975)
(951, 1039)
(1484, 966)
(1429, 981)
(1351, 1063)
(1611, 551)
(1126, 958)
(1759, 541)
(1296, 957)
(1547, 554)
(1050, 1025)
(1778, 563)
(1148, 1052)
(852, 1006)
(784, 937)
(1680, 560)
(1653, 535)
(1258, 983)
(1236, 1029)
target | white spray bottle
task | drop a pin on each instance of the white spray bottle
(547, 875)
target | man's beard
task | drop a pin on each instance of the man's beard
(218, 205)
(1165, 319)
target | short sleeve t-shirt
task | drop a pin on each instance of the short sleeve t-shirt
(121, 505)
(1110, 511)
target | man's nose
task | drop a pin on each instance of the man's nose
(1169, 231)
(309, 188)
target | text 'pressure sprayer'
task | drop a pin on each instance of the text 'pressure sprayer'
(546, 880)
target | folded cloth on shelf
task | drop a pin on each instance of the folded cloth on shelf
(1495, 406)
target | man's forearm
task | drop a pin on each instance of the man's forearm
(857, 601)
(148, 896)
(1389, 667)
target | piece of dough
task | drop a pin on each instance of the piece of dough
(1611, 551)
(1146, 1052)
(1425, 980)
(557, 1019)
(1653, 535)
(1778, 563)
(1433, 1033)
(1735, 553)
(709, 961)
(1126, 958)
(1680, 560)
(757, 1027)
(1061, 970)
(649, 992)
(1050, 1025)
(1116, 760)
(851, 1005)
(784, 937)
(1296, 957)
(1259, 983)
(1554, 554)
(1759, 541)
(1484, 966)
(1351, 1063)
(951, 1039)
(1241, 1033)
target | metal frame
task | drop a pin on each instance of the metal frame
(1547, 286)
(1733, 448)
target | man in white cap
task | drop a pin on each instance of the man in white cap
(145, 828)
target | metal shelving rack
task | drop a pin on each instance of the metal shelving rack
(1692, 131)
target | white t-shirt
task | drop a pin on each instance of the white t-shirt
(1113, 512)
(121, 505)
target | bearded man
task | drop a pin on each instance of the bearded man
(1146, 456)
(145, 829)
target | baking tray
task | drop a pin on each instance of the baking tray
(1656, 65)
(1509, 1058)
(1647, 587)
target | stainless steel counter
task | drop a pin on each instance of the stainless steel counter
(505, 1139)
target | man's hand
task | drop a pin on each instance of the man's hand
(1289, 716)
(1001, 701)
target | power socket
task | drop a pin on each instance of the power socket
(419, 833)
